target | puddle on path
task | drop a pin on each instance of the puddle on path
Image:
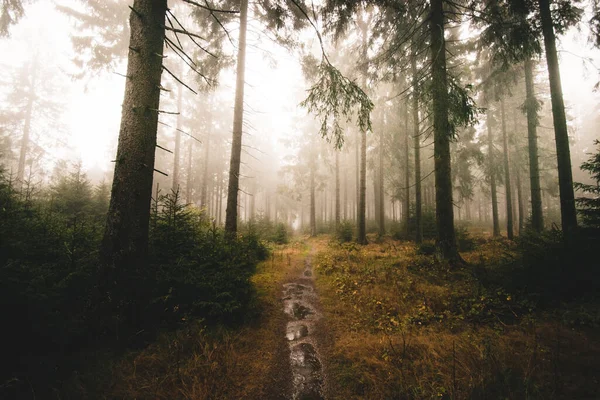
(299, 301)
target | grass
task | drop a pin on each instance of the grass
(200, 362)
(407, 327)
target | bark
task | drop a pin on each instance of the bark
(125, 242)
(406, 206)
(568, 212)
(518, 182)
(537, 219)
(25, 140)
(357, 164)
(313, 217)
(204, 190)
(177, 151)
(253, 201)
(188, 184)
(362, 195)
(492, 168)
(231, 212)
(346, 191)
(417, 148)
(337, 188)
(381, 214)
(362, 199)
(444, 212)
(507, 180)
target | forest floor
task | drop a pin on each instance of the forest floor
(342, 321)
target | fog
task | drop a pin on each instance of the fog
(77, 113)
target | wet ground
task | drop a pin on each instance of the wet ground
(299, 303)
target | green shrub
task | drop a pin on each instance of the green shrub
(281, 234)
(464, 240)
(345, 231)
(427, 248)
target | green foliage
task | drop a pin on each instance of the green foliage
(427, 248)
(589, 207)
(345, 231)
(427, 222)
(281, 234)
(464, 240)
(198, 272)
(263, 228)
(49, 281)
(333, 98)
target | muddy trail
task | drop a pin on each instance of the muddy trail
(306, 380)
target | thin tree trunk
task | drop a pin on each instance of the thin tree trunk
(507, 180)
(231, 217)
(492, 171)
(405, 214)
(417, 148)
(568, 212)
(537, 219)
(517, 165)
(444, 212)
(125, 242)
(203, 192)
(346, 190)
(313, 217)
(219, 212)
(253, 201)
(25, 139)
(381, 180)
(337, 188)
(357, 164)
(188, 185)
(177, 152)
(362, 202)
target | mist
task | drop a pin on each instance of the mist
(156, 150)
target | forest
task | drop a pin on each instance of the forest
(269, 199)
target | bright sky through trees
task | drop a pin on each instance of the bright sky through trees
(273, 78)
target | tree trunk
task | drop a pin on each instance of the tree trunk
(176, 153)
(381, 214)
(537, 219)
(507, 180)
(204, 189)
(337, 188)
(362, 198)
(231, 216)
(188, 185)
(362, 202)
(253, 201)
(357, 164)
(517, 165)
(313, 217)
(563, 153)
(25, 139)
(417, 147)
(444, 212)
(125, 242)
(346, 190)
(492, 172)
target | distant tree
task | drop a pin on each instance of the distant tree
(589, 206)
(11, 11)
(565, 15)
(101, 33)
(231, 212)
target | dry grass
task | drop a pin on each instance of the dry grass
(200, 363)
(404, 327)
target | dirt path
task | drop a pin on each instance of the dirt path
(299, 372)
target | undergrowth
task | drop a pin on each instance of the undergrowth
(507, 325)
